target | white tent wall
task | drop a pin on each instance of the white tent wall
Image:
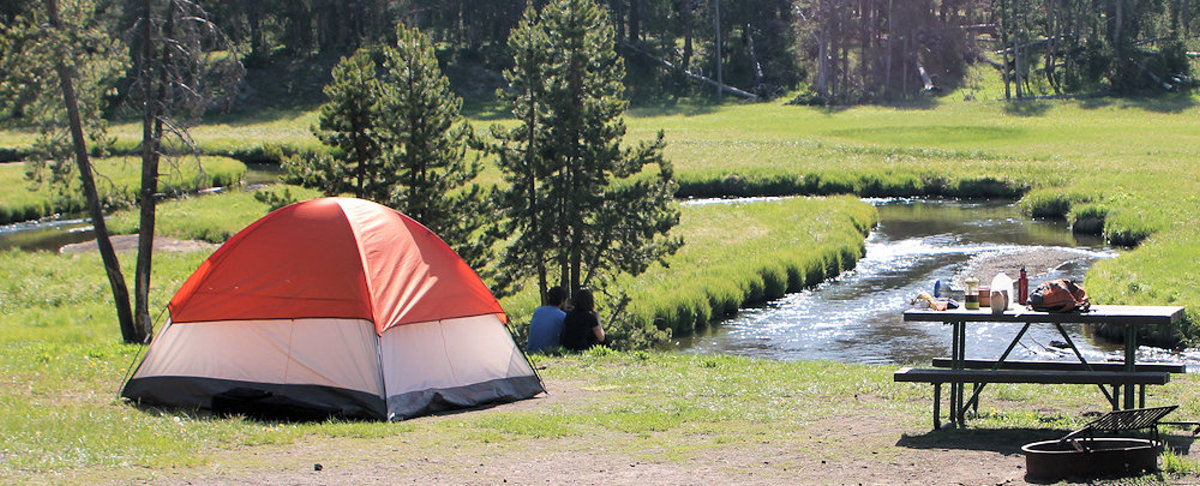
(453, 363)
(189, 363)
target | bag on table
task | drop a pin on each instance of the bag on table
(1060, 295)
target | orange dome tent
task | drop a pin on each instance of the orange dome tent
(334, 306)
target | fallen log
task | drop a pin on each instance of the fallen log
(693, 76)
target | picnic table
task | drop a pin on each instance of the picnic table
(958, 370)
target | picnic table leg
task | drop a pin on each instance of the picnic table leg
(1130, 361)
(937, 406)
(958, 389)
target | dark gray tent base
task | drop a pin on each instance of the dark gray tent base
(312, 402)
(424, 402)
(266, 400)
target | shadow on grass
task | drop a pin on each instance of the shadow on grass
(924, 102)
(671, 108)
(1027, 107)
(248, 117)
(1002, 441)
(1167, 104)
(485, 110)
(1009, 441)
(1173, 103)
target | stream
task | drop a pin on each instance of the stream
(50, 234)
(857, 317)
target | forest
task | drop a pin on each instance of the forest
(817, 51)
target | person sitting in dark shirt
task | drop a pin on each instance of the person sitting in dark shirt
(581, 327)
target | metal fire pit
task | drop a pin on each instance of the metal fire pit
(1104, 457)
(1082, 455)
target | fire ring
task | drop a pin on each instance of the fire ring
(1091, 458)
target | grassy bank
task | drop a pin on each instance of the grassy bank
(735, 255)
(117, 179)
(1123, 168)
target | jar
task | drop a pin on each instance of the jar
(971, 296)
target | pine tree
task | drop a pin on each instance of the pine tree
(347, 123)
(587, 207)
(403, 143)
(426, 140)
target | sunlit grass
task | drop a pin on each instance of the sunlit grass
(63, 364)
(213, 218)
(116, 178)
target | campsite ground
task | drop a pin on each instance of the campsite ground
(632, 418)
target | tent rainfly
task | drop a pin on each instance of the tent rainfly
(333, 307)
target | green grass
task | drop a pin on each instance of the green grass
(213, 218)
(1130, 161)
(778, 246)
(117, 179)
(62, 366)
(734, 255)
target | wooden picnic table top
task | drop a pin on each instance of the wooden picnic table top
(1098, 314)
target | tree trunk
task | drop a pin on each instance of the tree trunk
(1004, 45)
(618, 18)
(887, 70)
(635, 20)
(112, 266)
(151, 138)
(718, 54)
(823, 49)
(685, 18)
(254, 19)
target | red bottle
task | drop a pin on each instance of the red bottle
(1022, 288)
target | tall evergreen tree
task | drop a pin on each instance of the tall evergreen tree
(591, 209)
(403, 142)
(347, 123)
(426, 140)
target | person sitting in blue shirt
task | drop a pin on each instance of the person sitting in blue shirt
(546, 326)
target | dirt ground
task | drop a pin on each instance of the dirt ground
(1037, 263)
(129, 243)
(876, 445)
(872, 447)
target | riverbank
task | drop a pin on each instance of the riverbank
(1038, 262)
(124, 243)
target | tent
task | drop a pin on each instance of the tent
(333, 307)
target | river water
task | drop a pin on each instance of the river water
(856, 317)
(50, 234)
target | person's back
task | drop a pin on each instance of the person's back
(578, 334)
(546, 325)
(581, 328)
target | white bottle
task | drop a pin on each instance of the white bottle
(1002, 288)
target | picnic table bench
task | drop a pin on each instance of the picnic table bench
(1123, 377)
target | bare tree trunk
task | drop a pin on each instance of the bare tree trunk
(685, 18)
(887, 74)
(720, 70)
(112, 266)
(823, 49)
(1004, 44)
(635, 20)
(758, 71)
(151, 137)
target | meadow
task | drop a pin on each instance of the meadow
(1122, 167)
(117, 180)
